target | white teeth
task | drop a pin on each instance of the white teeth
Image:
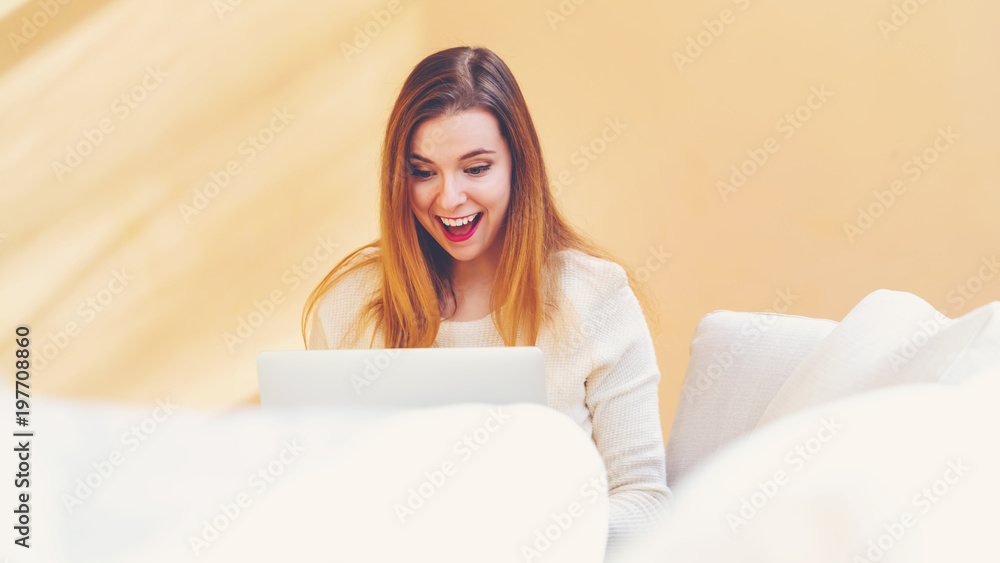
(458, 222)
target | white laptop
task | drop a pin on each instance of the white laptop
(401, 377)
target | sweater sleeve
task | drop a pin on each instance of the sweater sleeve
(622, 397)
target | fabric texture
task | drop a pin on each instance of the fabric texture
(739, 360)
(252, 484)
(889, 420)
(890, 338)
(903, 474)
(600, 369)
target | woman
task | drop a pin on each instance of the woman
(473, 252)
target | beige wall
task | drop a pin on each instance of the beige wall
(222, 75)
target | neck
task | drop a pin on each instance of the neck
(477, 272)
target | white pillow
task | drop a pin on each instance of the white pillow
(890, 338)
(843, 481)
(738, 363)
(464, 482)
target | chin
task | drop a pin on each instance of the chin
(464, 254)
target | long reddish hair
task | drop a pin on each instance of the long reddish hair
(414, 268)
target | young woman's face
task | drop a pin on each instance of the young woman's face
(459, 181)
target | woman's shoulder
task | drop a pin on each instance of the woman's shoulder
(364, 268)
(337, 309)
(585, 275)
(358, 282)
(589, 289)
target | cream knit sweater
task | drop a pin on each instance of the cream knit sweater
(601, 372)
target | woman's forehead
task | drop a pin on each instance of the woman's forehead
(453, 136)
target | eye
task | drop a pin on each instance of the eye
(420, 174)
(479, 170)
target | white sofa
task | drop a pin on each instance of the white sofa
(871, 439)
(112, 483)
(465, 482)
(738, 363)
(749, 369)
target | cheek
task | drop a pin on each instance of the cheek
(502, 200)
(417, 202)
(420, 202)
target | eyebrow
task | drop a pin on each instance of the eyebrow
(469, 154)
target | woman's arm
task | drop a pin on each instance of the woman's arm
(621, 394)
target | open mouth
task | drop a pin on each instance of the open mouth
(460, 228)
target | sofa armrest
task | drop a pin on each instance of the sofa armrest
(738, 362)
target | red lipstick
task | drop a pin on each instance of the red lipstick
(461, 233)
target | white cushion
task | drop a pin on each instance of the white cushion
(738, 363)
(890, 338)
(886, 480)
(463, 482)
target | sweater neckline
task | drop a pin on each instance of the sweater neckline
(447, 322)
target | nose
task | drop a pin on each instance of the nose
(452, 193)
